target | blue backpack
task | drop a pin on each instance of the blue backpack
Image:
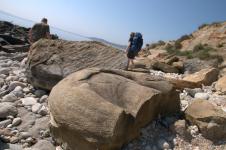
(137, 42)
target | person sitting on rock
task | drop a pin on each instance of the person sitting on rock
(39, 31)
(134, 47)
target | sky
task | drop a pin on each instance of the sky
(113, 20)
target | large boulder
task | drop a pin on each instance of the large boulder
(103, 109)
(49, 61)
(221, 85)
(203, 77)
(164, 67)
(210, 119)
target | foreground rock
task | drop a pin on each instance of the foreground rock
(221, 85)
(103, 109)
(205, 77)
(210, 119)
(49, 61)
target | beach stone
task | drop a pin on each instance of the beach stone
(7, 109)
(43, 145)
(36, 107)
(5, 71)
(5, 123)
(14, 84)
(202, 96)
(9, 98)
(16, 121)
(29, 101)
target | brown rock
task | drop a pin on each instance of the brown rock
(49, 61)
(205, 76)
(164, 67)
(171, 60)
(209, 119)
(221, 85)
(180, 127)
(179, 65)
(104, 109)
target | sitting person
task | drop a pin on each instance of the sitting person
(39, 30)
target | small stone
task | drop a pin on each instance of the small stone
(11, 78)
(43, 111)
(25, 135)
(3, 76)
(36, 107)
(28, 101)
(204, 96)
(9, 126)
(14, 84)
(43, 99)
(16, 122)
(1, 82)
(9, 98)
(14, 140)
(163, 144)
(10, 117)
(5, 123)
(39, 93)
(7, 109)
(175, 142)
(5, 71)
(26, 90)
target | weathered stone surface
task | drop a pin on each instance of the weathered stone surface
(104, 109)
(180, 127)
(221, 85)
(164, 67)
(7, 109)
(205, 76)
(29, 101)
(43, 145)
(49, 61)
(210, 119)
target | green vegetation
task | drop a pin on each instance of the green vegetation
(154, 45)
(217, 24)
(203, 52)
(184, 37)
(203, 26)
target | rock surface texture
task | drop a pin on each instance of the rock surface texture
(103, 109)
(49, 61)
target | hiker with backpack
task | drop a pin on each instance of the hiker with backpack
(134, 47)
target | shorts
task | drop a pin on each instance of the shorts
(131, 54)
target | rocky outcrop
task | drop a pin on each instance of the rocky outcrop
(221, 85)
(103, 109)
(210, 119)
(49, 61)
(205, 76)
(13, 38)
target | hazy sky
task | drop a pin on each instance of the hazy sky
(113, 20)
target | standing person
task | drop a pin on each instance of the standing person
(134, 46)
(39, 30)
(130, 53)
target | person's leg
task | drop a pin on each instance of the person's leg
(132, 66)
(127, 66)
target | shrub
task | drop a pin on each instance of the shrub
(184, 37)
(220, 45)
(198, 47)
(159, 43)
(203, 26)
(177, 45)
